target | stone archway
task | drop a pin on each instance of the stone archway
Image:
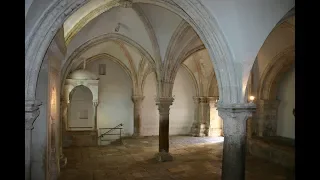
(101, 39)
(267, 103)
(194, 13)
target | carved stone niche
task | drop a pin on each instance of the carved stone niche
(85, 78)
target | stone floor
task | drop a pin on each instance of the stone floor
(194, 158)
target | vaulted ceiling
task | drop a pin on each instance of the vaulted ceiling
(160, 32)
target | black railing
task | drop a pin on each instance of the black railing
(118, 127)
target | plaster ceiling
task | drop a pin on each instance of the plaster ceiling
(131, 26)
(95, 18)
(164, 23)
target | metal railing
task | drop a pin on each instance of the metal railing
(118, 127)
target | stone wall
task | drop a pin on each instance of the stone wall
(280, 154)
(80, 138)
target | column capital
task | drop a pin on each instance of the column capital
(95, 103)
(137, 98)
(213, 99)
(196, 99)
(31, 113)
(242, 111)
(203, 99)
(164, 104)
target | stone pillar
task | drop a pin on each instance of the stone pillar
(95, 121)
(137, 103)
(164, 104)
(64, 105)
(265, 119)
(31, 114)
(201, 116)
(95, 105)
(214, 125)
(53, 158)
(234, 148)
(194, 128)
(204, 116)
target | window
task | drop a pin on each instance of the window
(102, 69)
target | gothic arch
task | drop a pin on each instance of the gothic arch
(71, 84)
(194, 81)
(117, 61)
(267, 87)
(101, 39)
(42, 33)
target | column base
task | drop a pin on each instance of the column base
(199, 130)
(163, 157)
(137, 135)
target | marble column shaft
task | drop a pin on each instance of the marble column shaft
(31, 113)
(137, 103)
(234, 147)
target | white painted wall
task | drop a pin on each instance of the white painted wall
(150, 113)
(109, 47)
(81, 100)
(286, 95)
(115, 91)
(182, 110)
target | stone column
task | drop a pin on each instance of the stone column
(53, 158)
(214, 125)
(164, 104)
(201, 116)
(95, 120)
(234, 148)
(31, 114)
(95, 105)
(204, 109)
(64, 105)
(137, 103)
(265, 119)
(194, 129)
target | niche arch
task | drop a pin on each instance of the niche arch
(81, 78)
